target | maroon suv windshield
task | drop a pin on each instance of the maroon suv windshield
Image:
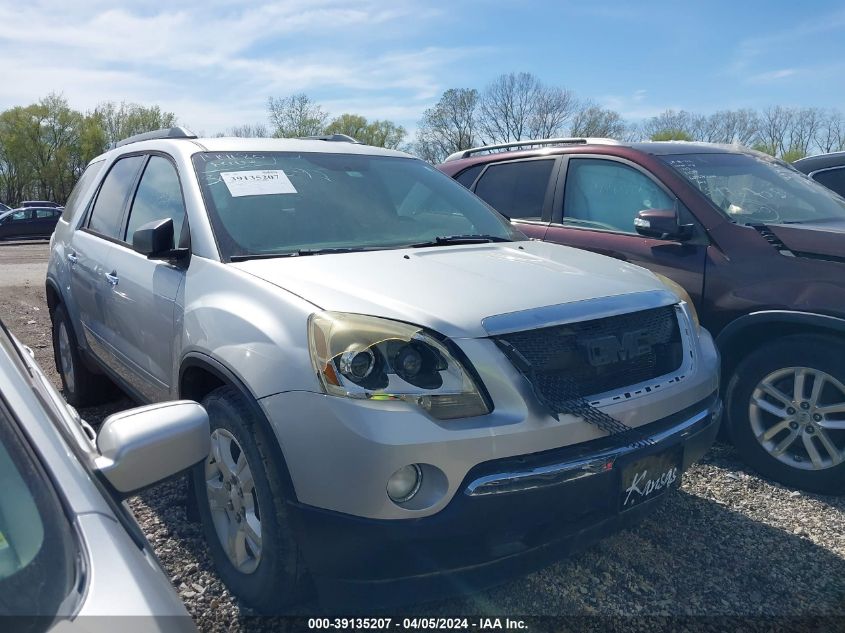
(751, 189)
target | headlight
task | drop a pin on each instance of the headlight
(358, 356)
(684, 296)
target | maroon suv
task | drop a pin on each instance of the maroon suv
(759, 247)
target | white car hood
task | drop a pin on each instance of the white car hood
(450, 289)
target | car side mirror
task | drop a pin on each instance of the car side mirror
(662, 224)
(140, 447)
(155, 240)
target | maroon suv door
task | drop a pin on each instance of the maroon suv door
(595, 210)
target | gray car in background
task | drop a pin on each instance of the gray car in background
(69, 549)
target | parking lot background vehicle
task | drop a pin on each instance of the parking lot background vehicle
(828, 169)
(69, 549)
(725, 531)
(41, 203)
(304, 290)
(757, 246)
(28, 222)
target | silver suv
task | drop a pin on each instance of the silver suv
(405, 393)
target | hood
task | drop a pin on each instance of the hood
(825, 239)
(450, 289)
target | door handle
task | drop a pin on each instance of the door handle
(72, 259)
(112, 278)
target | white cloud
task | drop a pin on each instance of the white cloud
(215, 65)
(772, 75)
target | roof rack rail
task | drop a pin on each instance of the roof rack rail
(337, 138)
(466, 153)
(173, 132)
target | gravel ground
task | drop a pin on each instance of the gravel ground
(728, 543)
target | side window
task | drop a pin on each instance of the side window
(24, 215)
(159, 196)
(107, 214)
(46, 214)
(74, 199)
(517, 189)
(833, 179)
(468, 176)
(603, 194)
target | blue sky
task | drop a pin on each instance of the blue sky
(214, 63)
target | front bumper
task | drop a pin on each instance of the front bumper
(511, 516)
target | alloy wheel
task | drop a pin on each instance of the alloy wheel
(798, 415)
(233, 501)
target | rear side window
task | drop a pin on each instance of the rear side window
(74, 201)
(46, 214)
(832, 179)
(468, 176)
(159, 196)
(517, 189)
(107, 214)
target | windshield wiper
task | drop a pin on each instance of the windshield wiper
(302, 252)
(449, 240)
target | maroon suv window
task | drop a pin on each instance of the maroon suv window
(516, 189)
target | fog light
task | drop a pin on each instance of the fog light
(404, 483)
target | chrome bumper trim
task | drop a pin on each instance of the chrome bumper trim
(587, 466)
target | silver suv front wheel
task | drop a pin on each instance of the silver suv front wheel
(240, 499)
(233, 502)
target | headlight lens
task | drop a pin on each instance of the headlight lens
(358, 356)
(684, 296)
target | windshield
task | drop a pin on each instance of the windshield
(751, 189)
(288, 203)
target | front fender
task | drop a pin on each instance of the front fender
(257, 330)
(737, 328)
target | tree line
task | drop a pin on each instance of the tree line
(518, 106)
(45, 146)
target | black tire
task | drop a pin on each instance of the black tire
(86, 388)
(280, 579)
(819, 352)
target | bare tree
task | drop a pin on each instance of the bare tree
(672, 125)
(738, 127)
(250, 130)
(773, 132)
(516, 106)
(449, 126)
(593, 120)
(830, 134)
(296, 115)
(802, 133)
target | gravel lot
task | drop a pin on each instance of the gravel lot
(728, 543)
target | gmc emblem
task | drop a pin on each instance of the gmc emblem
(604, 350)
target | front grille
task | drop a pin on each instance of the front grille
(578, 360)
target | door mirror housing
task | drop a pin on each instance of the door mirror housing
(662, 224)
(140, 447)
(155, 240)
